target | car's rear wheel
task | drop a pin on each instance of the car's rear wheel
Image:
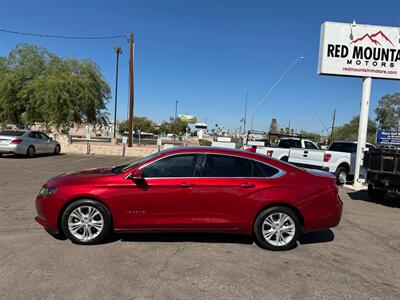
(57, 150)
(342, 174)
(86, 222)
(31, 151)
(1, 154)
(277, 228)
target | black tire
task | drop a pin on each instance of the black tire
(105, 214)
(339, 175)
(376, 194)
(31, 151)
(1, 154)
(285, 158)
(57, 150)
(259, 223)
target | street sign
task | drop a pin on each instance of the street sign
(359, 50)
(388, 137)
(88, 136)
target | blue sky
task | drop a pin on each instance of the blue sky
(205, 53)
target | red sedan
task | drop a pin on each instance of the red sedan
(192, 189)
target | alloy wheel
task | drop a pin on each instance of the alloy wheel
(278, 229)
(85, 223)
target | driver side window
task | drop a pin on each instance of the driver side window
(172, 166)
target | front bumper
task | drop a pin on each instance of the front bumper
(48, 208)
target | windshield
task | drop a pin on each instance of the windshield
(135, 163)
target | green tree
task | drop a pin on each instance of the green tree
(39, 86)
(349, 131)
(310, 135)
(176, 126)
(388, 112)
(142, 124)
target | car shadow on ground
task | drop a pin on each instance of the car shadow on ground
(390, 200)
(21, 156)
(172, 237)
(323, 236)
(307, 238)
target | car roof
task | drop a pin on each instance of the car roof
(349, 142)
(229, 151)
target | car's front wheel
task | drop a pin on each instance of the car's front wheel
(86, 222)
(277, 228)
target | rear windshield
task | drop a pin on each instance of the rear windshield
(289, 144)
(343, 147)
(12, 133)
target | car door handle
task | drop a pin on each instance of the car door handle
(186, 185)
(247, 185)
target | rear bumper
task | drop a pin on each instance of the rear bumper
(12, 149)
(328, 218)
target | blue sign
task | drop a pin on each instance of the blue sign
(388, 137)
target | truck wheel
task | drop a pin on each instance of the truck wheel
(342, 173)
(375, 194)
(285, 158)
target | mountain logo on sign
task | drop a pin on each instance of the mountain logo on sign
(374, 38)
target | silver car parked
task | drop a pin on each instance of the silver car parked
(27, 142)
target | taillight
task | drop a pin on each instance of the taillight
(269, 152)
(327, 157)
(16, 142)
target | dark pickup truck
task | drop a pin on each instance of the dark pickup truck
(383, 171)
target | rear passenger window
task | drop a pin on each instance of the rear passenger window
(227, 166)
(263, 170)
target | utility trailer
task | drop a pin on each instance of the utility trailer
(383, 171)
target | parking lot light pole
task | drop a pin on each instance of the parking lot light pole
(271, 89)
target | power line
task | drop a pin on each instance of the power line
(66, 36)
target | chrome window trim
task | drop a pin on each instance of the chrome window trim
(277, 175)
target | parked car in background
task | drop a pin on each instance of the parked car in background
(339, 159)
(192, 189)
(281, 151)
(27, 142)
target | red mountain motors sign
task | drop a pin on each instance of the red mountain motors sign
(359, 50)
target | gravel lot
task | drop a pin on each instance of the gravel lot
(360, 259)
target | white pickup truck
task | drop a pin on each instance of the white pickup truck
(339, 159)
(282, 150)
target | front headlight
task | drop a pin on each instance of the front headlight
(48, 191)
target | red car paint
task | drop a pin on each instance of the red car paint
(196, 203)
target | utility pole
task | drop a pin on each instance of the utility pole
(118, 51)
(176, 109)
(245, 112)
(131, 95)
(333, 123)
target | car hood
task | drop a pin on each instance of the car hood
(80, 177)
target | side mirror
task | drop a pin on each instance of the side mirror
(136, 175)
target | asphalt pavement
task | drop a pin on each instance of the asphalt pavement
(359, 259)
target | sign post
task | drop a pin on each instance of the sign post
(362, 127)
(364, 51)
